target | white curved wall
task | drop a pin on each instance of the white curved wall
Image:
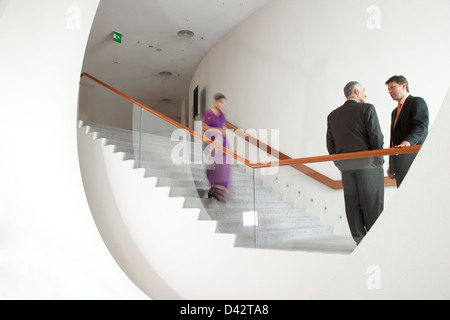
(286, 67)
(50, 247)
(287, 64)
(170, 254)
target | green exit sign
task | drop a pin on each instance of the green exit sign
(117, 37)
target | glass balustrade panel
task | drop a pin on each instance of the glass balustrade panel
(183, 163)
(307, 208)
(109, 114)
(294, 207)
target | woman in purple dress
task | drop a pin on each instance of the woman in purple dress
(218, 162)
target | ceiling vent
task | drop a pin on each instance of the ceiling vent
(165, 73)
(185, 34)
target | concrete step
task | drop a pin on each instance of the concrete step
(203, 193)
(265, 224)
(246, 205)
(164, 165)
(237, 213)
(192, 175)
(279, 223)
(202, 184)
(251, 239)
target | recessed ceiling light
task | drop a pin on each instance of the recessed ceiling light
(185, 34)
(165, 73)
(166, 100)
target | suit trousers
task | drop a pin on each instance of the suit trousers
(364, 199)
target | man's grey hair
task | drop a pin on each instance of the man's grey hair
(350, 87)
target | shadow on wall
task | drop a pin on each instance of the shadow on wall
(3, 5)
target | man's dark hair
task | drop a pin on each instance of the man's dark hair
(218, 96)
(400, 80)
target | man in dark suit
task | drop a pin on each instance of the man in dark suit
(350, 128)
(409, 126)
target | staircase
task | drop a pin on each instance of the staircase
(279, 224)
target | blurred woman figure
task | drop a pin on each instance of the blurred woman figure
(218, 162)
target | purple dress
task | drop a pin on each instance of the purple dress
(218, 162)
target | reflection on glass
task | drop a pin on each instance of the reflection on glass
(313, 211)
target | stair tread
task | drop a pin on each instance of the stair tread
(280, 223)
(251, 232)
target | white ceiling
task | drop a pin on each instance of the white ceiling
(150, 44)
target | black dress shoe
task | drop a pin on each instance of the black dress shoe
(213, 196)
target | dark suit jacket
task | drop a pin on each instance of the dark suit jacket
(412, 126)
(354, 127)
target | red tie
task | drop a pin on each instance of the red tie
(399, 108)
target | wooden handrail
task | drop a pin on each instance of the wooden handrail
(333, 184)
(341, 156)
(284, 160)
(169, 120)
(299, 164)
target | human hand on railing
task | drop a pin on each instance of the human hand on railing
(390, 175)
(404, 144)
